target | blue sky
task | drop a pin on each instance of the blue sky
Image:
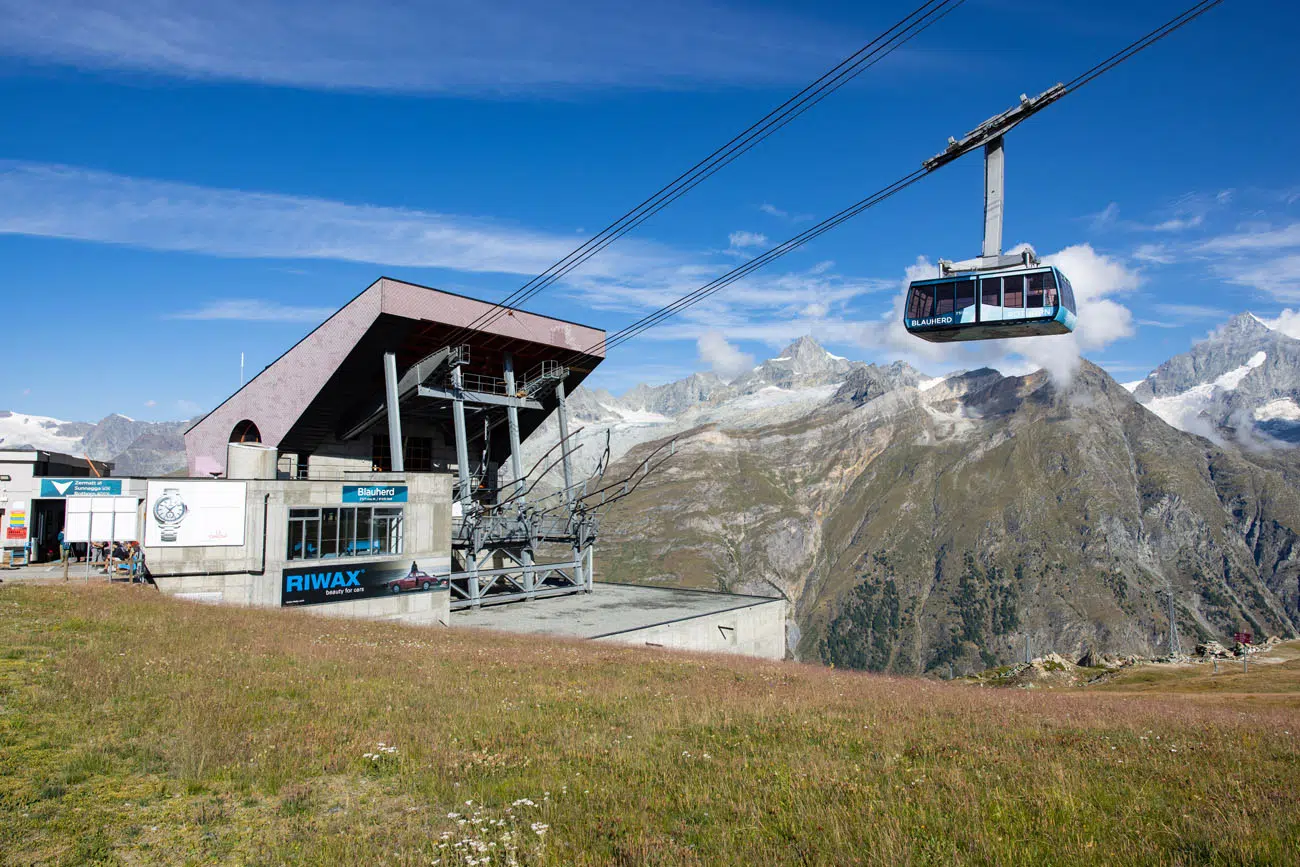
(181, 181)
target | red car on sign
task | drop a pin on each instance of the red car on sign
(413, 580)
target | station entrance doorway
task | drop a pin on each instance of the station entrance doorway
(45, 522)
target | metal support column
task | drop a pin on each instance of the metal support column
(395, 450)
(466, 493)
(591, 567)
(566, 447)
(512, 420)
(517, 464)
(462, 443)
(994, 171)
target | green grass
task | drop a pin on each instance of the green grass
(140, 729)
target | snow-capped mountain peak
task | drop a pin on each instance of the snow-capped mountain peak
(1218, 388)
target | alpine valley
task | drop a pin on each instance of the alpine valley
(931, 524)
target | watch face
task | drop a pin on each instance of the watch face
(169, 508)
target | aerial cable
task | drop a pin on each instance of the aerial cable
(694, 297)
(916, 22)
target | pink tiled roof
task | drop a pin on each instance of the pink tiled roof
(277, 397)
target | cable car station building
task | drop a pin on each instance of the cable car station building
(359, 475)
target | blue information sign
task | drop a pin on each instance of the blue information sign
(81, 488)
(374, 493)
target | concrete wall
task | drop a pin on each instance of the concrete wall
(757, 630)
(251, 574)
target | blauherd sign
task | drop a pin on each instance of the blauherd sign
(315, 585)
(374, 493)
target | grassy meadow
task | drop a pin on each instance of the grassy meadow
(138, 729)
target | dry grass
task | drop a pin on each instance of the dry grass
(138, 729)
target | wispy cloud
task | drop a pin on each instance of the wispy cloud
(66, 202)
(743, 240)
(1178, 224)
(440, 45)
(255, 310)
(780, 213)
(1186, 312)
(1250, 241)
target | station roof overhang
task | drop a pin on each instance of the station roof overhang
(330, 385)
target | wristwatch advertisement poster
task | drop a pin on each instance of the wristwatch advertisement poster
(195, 514)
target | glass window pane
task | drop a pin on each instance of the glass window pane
(943, 299)
(1036, 289)
(295, 540)
(347, 532)
(991, 291)
(363, 531)
(1013, 291)
(329, 533)
(922, 304)
(304, 513)
(965, 294)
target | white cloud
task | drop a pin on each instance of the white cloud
(741, 240)
(151, 403)
(1287, 322)
(188, 407)
(65, 202)
(724, 359)
(433, 46)
(256, 310)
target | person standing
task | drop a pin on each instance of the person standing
(63, 547)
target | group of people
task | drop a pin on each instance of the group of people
(113, 557)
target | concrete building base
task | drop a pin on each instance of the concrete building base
(647, 616)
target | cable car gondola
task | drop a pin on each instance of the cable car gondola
(1016, 302)
(993, 295)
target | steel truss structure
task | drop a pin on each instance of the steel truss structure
(498, 532)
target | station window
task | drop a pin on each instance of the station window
(347, 531)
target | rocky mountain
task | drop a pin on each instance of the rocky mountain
(1241, 384)
(915, 523)
(135, 448)
(803, 377)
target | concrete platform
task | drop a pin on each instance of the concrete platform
(649, 616)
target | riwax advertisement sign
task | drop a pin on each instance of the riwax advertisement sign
(344, 580)
(16, 523)
(57, 488)
(190, 514)
(374, 493)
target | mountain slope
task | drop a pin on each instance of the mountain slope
(916, 528)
